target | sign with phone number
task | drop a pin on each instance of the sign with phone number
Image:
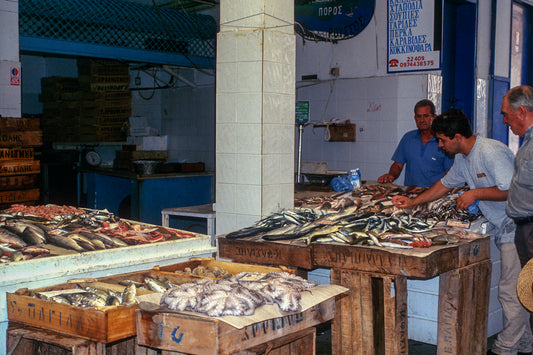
(411, 41)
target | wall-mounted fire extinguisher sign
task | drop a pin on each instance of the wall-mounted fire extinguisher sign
(14, 76)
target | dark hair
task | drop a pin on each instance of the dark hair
(451, 122)
(425, 102)
(520, 96)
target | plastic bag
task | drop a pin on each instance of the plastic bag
(473, 208)
(341, 183)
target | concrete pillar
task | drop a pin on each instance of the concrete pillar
(10, 75)
(255, 104)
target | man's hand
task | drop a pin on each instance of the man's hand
(386, 178)
(402, 201)
(466, 199)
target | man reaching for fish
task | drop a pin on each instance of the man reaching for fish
(486, 166)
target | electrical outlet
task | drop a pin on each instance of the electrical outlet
(334, 71)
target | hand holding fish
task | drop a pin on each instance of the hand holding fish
(402, 201)
(386, 178)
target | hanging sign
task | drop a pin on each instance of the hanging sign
(332, 20)
(413, 35)
(14, 74)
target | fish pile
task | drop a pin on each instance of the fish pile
(24, 236)
(237, 297)
(206, 271)
(285, 218)
(366, 216)
(89, 296)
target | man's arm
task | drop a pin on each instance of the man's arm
(485, 193)
(394, 172)
(434, 192)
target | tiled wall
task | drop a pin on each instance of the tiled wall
(10, 93)
(381, 108)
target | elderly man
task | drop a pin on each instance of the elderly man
(517, 110)
(486, 166)
(419, 150)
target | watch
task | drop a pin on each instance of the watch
(93, 158)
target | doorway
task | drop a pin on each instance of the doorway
(458, 59)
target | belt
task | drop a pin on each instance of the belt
(522, 220)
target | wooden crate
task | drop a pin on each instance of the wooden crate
(18, 182)
(7, 154)
(20, 138)
(233, 268)
(246, 250)
(101, 324)
(23, 167)
(26, 340)
(19, 124)
(172, 331)
(88, 66)
(17, 196)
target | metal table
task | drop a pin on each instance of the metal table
(200, 211)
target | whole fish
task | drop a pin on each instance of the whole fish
(11, 238)
(128, 295)
(32, 237)
(64, 242)
(155, 285)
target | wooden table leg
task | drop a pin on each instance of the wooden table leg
(372, 317)
(463, 310)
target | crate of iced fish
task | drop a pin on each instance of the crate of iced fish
(224, 316)
(92, 310)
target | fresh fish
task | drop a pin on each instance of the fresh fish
(81, 240)
(11, 238)
(107, 240)
(16, 256)
(64, 242)
(155, 285)
(32, 237)
(128, 295)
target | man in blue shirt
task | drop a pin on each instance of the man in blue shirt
(419, 150)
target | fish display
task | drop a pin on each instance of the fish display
(239, 295)
(366, 216)
(88, 296)
(26, 231)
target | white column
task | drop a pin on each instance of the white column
(10, 75)
(255, 104)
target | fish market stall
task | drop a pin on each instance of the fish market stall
(62, 263)
(201, 306)
(373, 249)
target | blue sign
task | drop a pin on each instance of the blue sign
(332, 20)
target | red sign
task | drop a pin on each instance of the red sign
(15, 76)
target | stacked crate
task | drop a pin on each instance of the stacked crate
(94, 107)
(19, 170)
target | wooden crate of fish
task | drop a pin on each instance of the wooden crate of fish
(77, 309)
(209, 267)
(185, 333)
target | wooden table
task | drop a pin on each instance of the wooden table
(372, 317)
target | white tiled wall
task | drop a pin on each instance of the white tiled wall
(381, 108)
(10, 95)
